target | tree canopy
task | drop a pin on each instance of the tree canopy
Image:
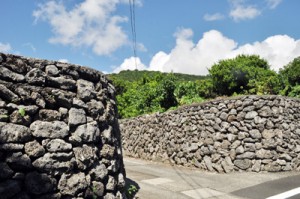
(141, 92)
(243, 74)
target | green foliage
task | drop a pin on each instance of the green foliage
(131, 191)
(142, 92)
(291, 72)
(243, 74)
(295, 91)
(136, 75)
(148, 95)
(188, 93)
(22, 112)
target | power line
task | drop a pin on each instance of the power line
(133, 31)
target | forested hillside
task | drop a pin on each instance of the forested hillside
(141, 92)
(135, 75)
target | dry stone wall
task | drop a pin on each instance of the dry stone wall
(250, 133)
(59, 136)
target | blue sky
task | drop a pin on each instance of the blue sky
(181, 36)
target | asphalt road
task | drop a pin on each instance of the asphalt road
(162, 181)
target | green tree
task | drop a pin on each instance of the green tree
(147, 95)
(243, 74)
(290, 76)
(291, 72)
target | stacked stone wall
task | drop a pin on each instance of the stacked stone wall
(249, 133)
(59, 136)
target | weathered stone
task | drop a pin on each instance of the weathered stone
(77, 103)
(193, 148)
(18, 161)
(17, 118)
(96, 190)
(265, 111)
(213, 110)
(72, 184)
(243, 164)
(225, 144)
(14, 133)
(272, 167)
(259, 120)
(269, 143)
(256, 166)
(107, 151)
(18, 176)
(249, 108)
(218, 168)
(10, 75)
(36, 76)
(55, 129)
(268, 134)
(49, 115)
(85, 156)
(87, 133)
(34, 149)
(9, 188)
(76, 117)
(6, 171)
(7, 94)
(224, 116)
(227, 165)
(246, 155)
(95, 108)
(61, 82)
(255, 134)
(58, 145)
(240, 116)
(235, 144)
(85, 90)
(51, 70)
(242, 135)
(285, 157)
(50, 196)
(121, 181)
(111, 184)
(56, 163)
(99, 172)
(109, 196)
(37, 183)
(250, 147)
(251, 115)
(62, 98)
(240, 150)
(264, 154)
(208, 163)
(11, 147)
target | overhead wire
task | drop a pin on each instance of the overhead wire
(133, 30)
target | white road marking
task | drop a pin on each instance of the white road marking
(157, 181)
(286, 194)
(202, 193)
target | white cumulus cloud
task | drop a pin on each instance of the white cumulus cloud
(213, 17)
(64, 60)
(196, 58)
(273, 3)
(131, 63)
(91, 23)
(242, 12)
(5, 47)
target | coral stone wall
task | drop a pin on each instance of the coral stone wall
(251, 133)
(59, 136)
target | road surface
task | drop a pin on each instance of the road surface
(162, 181)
